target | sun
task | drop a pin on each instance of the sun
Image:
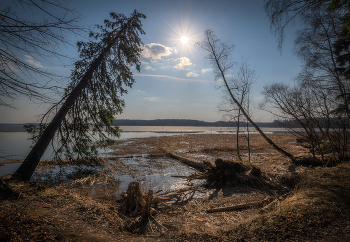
(183, 35)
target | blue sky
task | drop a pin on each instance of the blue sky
(175, 80)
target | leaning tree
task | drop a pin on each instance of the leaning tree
(219, 54)
(92, 99)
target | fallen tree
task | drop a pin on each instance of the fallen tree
(225, 173)
(195, 165)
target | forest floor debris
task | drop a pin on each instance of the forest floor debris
(316, 208)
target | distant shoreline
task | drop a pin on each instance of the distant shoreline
(18, 127)
(164, 129)
(12, 128)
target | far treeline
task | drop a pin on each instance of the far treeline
(315, 107)
(185, 122)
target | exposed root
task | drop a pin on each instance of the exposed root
(229, 173)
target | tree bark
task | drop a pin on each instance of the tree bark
(26, 170)
(237, 135)
(193, 164)
(283, 152)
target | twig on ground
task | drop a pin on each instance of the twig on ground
(242, 206)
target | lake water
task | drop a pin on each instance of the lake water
(15, 145)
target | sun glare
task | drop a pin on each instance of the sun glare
(183, 35)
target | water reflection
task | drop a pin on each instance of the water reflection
(110, 181)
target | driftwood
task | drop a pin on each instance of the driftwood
(193, 164)
(242, 206)
(268, 203)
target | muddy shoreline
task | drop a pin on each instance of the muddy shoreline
(66, 211)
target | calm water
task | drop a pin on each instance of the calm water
(15, 145)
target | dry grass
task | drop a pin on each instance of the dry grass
(318, 208)
(209, 147)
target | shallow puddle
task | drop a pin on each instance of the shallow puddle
(113, 179)
(154, 174)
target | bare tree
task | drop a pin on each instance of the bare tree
(219, 57)
(37, 29)
(314, 46)
(241, 87)
(285, 12)
(311, 103)
(93, 97)
(306, 111)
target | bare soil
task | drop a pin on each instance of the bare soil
(64, 213)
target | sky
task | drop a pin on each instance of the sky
(175, 81)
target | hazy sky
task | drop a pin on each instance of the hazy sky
(175, 81)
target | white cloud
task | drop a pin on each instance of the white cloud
(149, 68)
(151, 99)
(192, 74)
(220, 80)
(164, 77)
(139, 91)
(205, 70)
(33, 62)
(184, 61)
(155, 51)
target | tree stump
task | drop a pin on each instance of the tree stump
(137, 205)
(133, 203)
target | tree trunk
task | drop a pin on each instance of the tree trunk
(248, 141)
(26, 170)
(237, 135)
(283, 152)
